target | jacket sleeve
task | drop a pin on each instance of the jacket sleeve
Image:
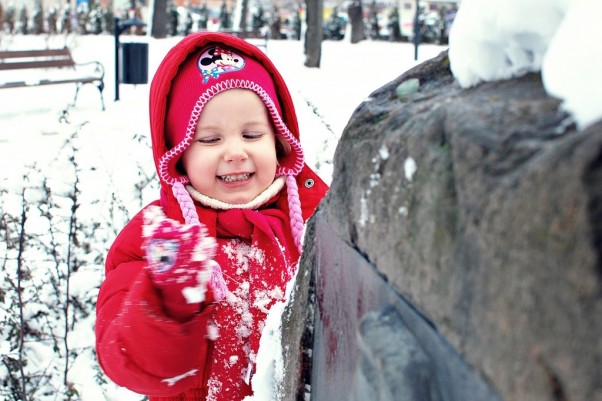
(138, 345)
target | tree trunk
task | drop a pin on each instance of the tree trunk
(243, 15)
(357, 21)
(314, 34)
(159, 23)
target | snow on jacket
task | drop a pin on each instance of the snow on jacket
(209, 354)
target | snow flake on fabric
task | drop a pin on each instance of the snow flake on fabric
(214, 387)
(256, 278)
(173, 380)
(212, 331)
(241, 255)
(264, 298)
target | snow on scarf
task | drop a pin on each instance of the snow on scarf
(258, 257)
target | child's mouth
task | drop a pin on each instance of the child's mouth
(235, 177)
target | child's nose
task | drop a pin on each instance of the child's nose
(236, 151)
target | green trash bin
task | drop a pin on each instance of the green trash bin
(134, 63)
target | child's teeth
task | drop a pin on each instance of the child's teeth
(239, 177)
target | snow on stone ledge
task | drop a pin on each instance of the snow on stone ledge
(493, 40)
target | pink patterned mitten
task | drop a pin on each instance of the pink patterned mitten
(180, 262)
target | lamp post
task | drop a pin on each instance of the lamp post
(416, 30)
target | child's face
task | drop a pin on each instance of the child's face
(233, 155)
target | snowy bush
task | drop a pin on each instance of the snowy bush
(55, 241)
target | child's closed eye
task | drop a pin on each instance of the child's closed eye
(252, 135)
(209, 140)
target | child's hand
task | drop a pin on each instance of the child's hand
(180, 261)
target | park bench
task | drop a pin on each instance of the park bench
(50, 61)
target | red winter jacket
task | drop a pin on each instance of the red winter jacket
(208, 354)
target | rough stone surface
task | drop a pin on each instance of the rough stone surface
(393, 365)
(297, 331)
(495, 236)
(370, 343)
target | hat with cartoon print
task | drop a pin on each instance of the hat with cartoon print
(207, 72)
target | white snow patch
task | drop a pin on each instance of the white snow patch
(374, 179)
(173, 380)
(364, 212)
(383, 152)
(493, 40)
(409, 168)
(267, 380)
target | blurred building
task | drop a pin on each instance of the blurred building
(47, 4)
(429, 10)
(439, 12)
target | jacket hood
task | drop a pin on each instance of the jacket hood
(304, 188)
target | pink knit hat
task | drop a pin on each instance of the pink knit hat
(203, 75)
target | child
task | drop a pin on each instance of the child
(190, 280)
